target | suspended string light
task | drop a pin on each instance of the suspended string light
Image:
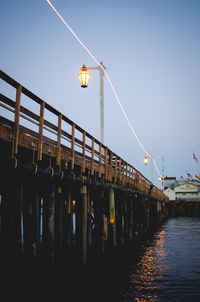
(110, 82)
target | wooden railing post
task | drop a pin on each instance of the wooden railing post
(120, 170)
(72, 146)
(83, 159)
(126, 178)
(110, 166)
(17, 113)
(58, 140)
(131, 175)
(123, 177)
(115, 168)
(99, 160)
(92, 165)
(40, 137)
(106, 163)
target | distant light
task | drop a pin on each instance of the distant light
(159, 178)
(145, 160)
(84, 77)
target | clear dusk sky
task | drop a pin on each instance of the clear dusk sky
(151, 50)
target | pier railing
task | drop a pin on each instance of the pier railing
(50, 132)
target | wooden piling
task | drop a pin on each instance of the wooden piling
(100, 230)
(11, 207)
(83, 194)
(59, 205)
(49, 221)
(68, 221)
(36, 217)
(112, 219)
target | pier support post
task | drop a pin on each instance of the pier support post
(112, 220)
(90, 217)
(120, 218)
(126, 218)
(131, 220)
(68, 221)
(59, 216)
(100, 222)
(11, 215)
(36, 227)
(28, 220)
(84, 202)
(49, 221)
(146, 205)
(158, 211)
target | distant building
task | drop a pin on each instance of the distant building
(187, 191)
(181, 189)
(170, 193)
(169, 182)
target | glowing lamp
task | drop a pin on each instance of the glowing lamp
(112, 220)
(84, 76)
(160, 178)
(145, 160)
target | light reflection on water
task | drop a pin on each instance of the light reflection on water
(150, 270)
(169, 269)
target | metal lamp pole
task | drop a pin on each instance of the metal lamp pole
(146, 162)
(84, 77)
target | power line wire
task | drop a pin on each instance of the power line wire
(110, 82)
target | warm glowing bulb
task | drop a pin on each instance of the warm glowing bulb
(84, 76)
(112, 220)
(145, 160)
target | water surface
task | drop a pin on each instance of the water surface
(169, 269)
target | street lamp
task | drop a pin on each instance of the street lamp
(146, 159)
(84, 77)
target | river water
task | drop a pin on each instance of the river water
(168, 269)
(163, 267)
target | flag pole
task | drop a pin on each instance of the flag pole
(193, 168)
(194, 158)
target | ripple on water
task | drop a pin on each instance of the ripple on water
(169, 269)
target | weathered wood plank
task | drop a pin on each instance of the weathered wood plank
(58, 140)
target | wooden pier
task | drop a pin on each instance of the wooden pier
(62, 189)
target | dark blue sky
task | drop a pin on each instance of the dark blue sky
(151, 49)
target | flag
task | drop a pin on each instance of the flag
(194, 157)
(198, 177)
(189, 175)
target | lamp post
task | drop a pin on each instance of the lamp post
(146, 159)
(161, 178)
(84, 77)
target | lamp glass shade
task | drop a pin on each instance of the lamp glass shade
(84, 77)
(145, 160)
